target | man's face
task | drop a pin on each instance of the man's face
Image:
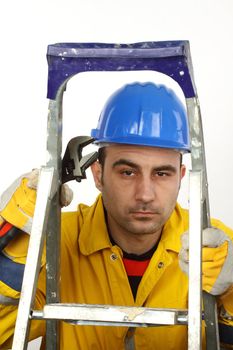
(139, 186)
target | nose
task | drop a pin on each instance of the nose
(145, 190)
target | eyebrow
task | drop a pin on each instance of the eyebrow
(164, 167)
(125, 162)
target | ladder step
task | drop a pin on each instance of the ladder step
(168, 57)
(111, 315)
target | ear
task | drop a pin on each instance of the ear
(96, 169)
(182, 171)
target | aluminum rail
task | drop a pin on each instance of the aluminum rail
(45, 193)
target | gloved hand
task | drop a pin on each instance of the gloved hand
(17, 203)
(217, 260)
(66, 194)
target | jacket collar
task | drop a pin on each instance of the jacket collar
(175, 226)
(94, 233)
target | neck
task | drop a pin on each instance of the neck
(136, 246)
(134, 243)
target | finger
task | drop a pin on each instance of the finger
(212, 237)
(217, 254)
(185, 241)
(33, 178)
(184, 255)
(66, 195)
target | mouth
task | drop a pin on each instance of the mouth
(143, 214)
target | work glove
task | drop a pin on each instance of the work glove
(217, 260)
(17, 203)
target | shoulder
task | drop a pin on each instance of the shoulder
(220, 225)
(180, 218)
(175, 226)
(73, 222)
(181, 215)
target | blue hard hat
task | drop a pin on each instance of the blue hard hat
(144, 114)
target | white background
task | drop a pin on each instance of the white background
(27, 27)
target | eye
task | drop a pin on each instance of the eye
(128, 172)
(162, 173)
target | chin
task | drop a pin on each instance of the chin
(144, 230)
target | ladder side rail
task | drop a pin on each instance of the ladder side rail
(54, 149)
(199, 163)
(45, 192)
(195, 277)
(198, 151)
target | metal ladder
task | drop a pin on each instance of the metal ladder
(64, 61)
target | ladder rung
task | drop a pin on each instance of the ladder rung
(112, 315)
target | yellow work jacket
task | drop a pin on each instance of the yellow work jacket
(92, 272)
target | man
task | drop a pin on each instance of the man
(124, 249)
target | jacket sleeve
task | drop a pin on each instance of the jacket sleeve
(12, 260)
(225, 302)
(225, 305)
(16, 208)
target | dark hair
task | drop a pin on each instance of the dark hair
(101, 156)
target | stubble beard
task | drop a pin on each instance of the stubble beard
(141, 226)
(142, 230)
